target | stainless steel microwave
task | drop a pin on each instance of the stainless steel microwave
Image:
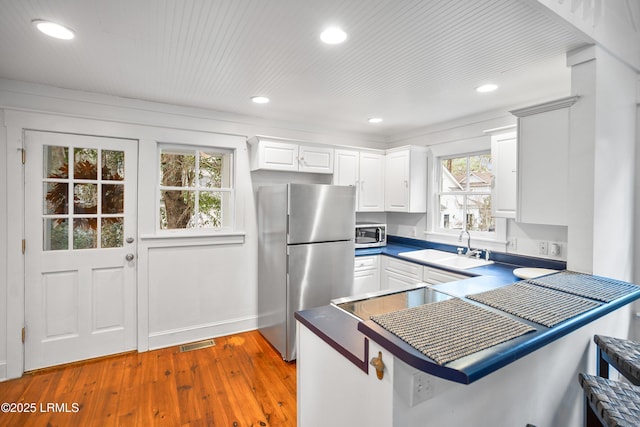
(370, 235)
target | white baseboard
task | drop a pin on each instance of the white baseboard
(201, 332)
(3, 370)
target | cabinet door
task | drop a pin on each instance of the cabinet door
(543, 158)
(346, 168)
(392, 280)
(365, 281)
(504, 185)
(315, 159)
(397, 181)
(435, 275)
(277, 156)
(371, 193)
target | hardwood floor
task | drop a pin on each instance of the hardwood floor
(241, 381)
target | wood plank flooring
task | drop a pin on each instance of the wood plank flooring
(241, 381)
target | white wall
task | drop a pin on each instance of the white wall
(188, 288)
(4, 219)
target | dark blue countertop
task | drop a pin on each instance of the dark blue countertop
(349, 335)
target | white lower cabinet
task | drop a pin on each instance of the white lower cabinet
(366, 275)
(396, 274)
(433, 276)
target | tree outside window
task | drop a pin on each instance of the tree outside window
(465, 193)
(196, 188)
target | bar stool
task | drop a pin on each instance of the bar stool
(623, 355)
(610, 403)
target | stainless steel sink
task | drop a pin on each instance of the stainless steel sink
(445, 259)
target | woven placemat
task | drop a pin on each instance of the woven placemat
(585, 285)
(448, 330)
(541, 305)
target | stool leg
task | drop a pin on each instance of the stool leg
(602, 366)
(590, 417)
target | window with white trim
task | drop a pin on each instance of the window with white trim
(196, 188)
(464, 194)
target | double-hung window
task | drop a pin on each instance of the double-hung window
(196, 188)
(464, 194)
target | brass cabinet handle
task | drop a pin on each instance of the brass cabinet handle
(377, 363)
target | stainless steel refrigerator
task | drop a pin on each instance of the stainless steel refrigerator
(306, 254)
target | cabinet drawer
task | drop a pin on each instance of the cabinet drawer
(366, 263)
(405, 268)
(435, 275)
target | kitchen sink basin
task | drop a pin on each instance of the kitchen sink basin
(445, 259)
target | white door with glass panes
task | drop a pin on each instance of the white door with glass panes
(80, 247)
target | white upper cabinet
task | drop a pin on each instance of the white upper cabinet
(284, 155)
(315, 159)
(504, 156)
(365, 171)
(406, 180)
(543, 162)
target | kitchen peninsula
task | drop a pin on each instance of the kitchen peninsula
(530, 377)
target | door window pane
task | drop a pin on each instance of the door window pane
(85, 234)
(56, 162)
(112, 198)
(112, 165)
(85, 164)
(112, 233)
(56, 198)
(85, 199)
(56, 234)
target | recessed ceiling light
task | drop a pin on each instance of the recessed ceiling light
(490, 87)
(333, 35)
(375, 120)
(53, 30)
(260, 99)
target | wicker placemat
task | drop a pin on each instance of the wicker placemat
(541, 305)
(594, 287)
(448, 330)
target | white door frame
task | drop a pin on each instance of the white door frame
(16, 122)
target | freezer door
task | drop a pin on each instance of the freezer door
(318, 273)
(321, 213)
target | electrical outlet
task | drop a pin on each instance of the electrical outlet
(555, 249)
(543, 248)
(512, 244)
(421, 388)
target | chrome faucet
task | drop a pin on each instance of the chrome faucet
(470, 252)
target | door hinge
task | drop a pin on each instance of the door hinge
(24, 246)
(24, 334)
(24, 155)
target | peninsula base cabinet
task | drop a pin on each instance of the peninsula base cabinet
(540, 389)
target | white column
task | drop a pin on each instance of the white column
(601, 164)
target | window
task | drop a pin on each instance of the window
(196, 188)
(464, 196)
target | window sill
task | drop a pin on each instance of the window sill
(179, 239)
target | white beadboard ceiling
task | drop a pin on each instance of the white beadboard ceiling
(412, 62)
